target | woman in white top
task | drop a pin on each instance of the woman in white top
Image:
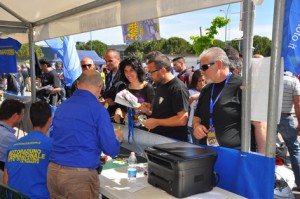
(197, 83)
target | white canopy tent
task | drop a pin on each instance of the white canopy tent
(50, 19)
(36, 20)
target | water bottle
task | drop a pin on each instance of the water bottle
(132, 167)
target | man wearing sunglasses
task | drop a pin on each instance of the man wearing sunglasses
(86, 64)
(217, 119)
(170, 105)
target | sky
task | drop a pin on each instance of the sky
(188, 24)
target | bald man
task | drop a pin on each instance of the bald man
(114, 80)
(86, 64)
(81, 131)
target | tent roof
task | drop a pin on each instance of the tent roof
(86, 53)
(91, 54)
(50, 19)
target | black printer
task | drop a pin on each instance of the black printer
(180, 168)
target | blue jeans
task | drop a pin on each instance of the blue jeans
(288, 131)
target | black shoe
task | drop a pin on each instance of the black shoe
(297, 189)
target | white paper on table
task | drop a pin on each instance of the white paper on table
(126, 98)
(208, 195)
(136, 186)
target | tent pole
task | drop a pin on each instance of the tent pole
(32, 63)
(274, 77)
(248, 18)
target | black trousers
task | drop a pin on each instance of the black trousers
(2, 165)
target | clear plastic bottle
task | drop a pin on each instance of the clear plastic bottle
(132, 167)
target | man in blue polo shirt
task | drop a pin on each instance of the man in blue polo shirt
(81, 131)
(27, 159)
(11, 114)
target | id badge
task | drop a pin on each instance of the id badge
(211, 137)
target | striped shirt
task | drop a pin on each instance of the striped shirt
(291, 88)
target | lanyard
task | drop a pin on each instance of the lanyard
(109, 77)
(212, 103)
(130, 125)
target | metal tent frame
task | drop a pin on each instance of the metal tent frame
(48, 19)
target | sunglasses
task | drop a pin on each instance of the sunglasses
(86, 65)
(204, 67)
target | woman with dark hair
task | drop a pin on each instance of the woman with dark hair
(197, 83)
(131, 68)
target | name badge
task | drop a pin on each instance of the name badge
(211, 137)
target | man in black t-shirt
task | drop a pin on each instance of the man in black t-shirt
(170, 105)
(224, 119)
(50, 78)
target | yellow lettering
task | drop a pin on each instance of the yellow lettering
(133, 31)
(26, 156)
(7, 52)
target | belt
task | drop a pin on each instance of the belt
(287, 114)
(70, 168)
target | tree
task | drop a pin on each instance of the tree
(173, 45)
(23, 53)
(155, 46)
(218, 43)
(96, 45)
(235, 44)
(176, 46)
(200, 43)
(136, 49)
(262, 45)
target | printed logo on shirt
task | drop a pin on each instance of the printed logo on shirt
(7, 52)
(161, 99)
(32, 156)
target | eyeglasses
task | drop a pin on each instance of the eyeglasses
(150, 72)
(86, 65)
(204, 67)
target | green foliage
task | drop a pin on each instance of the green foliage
(23, 53)
(173, 45)
(95, 45)
(262, 45)
(218, 43)
(235, 44)
(200, 43)
(176, 46)
(136, 49)
(155, 46)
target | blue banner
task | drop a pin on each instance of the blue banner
(141, 31)
(291, 36)
(66, 51)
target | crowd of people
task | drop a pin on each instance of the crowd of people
(202, 106)
(16, 83)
